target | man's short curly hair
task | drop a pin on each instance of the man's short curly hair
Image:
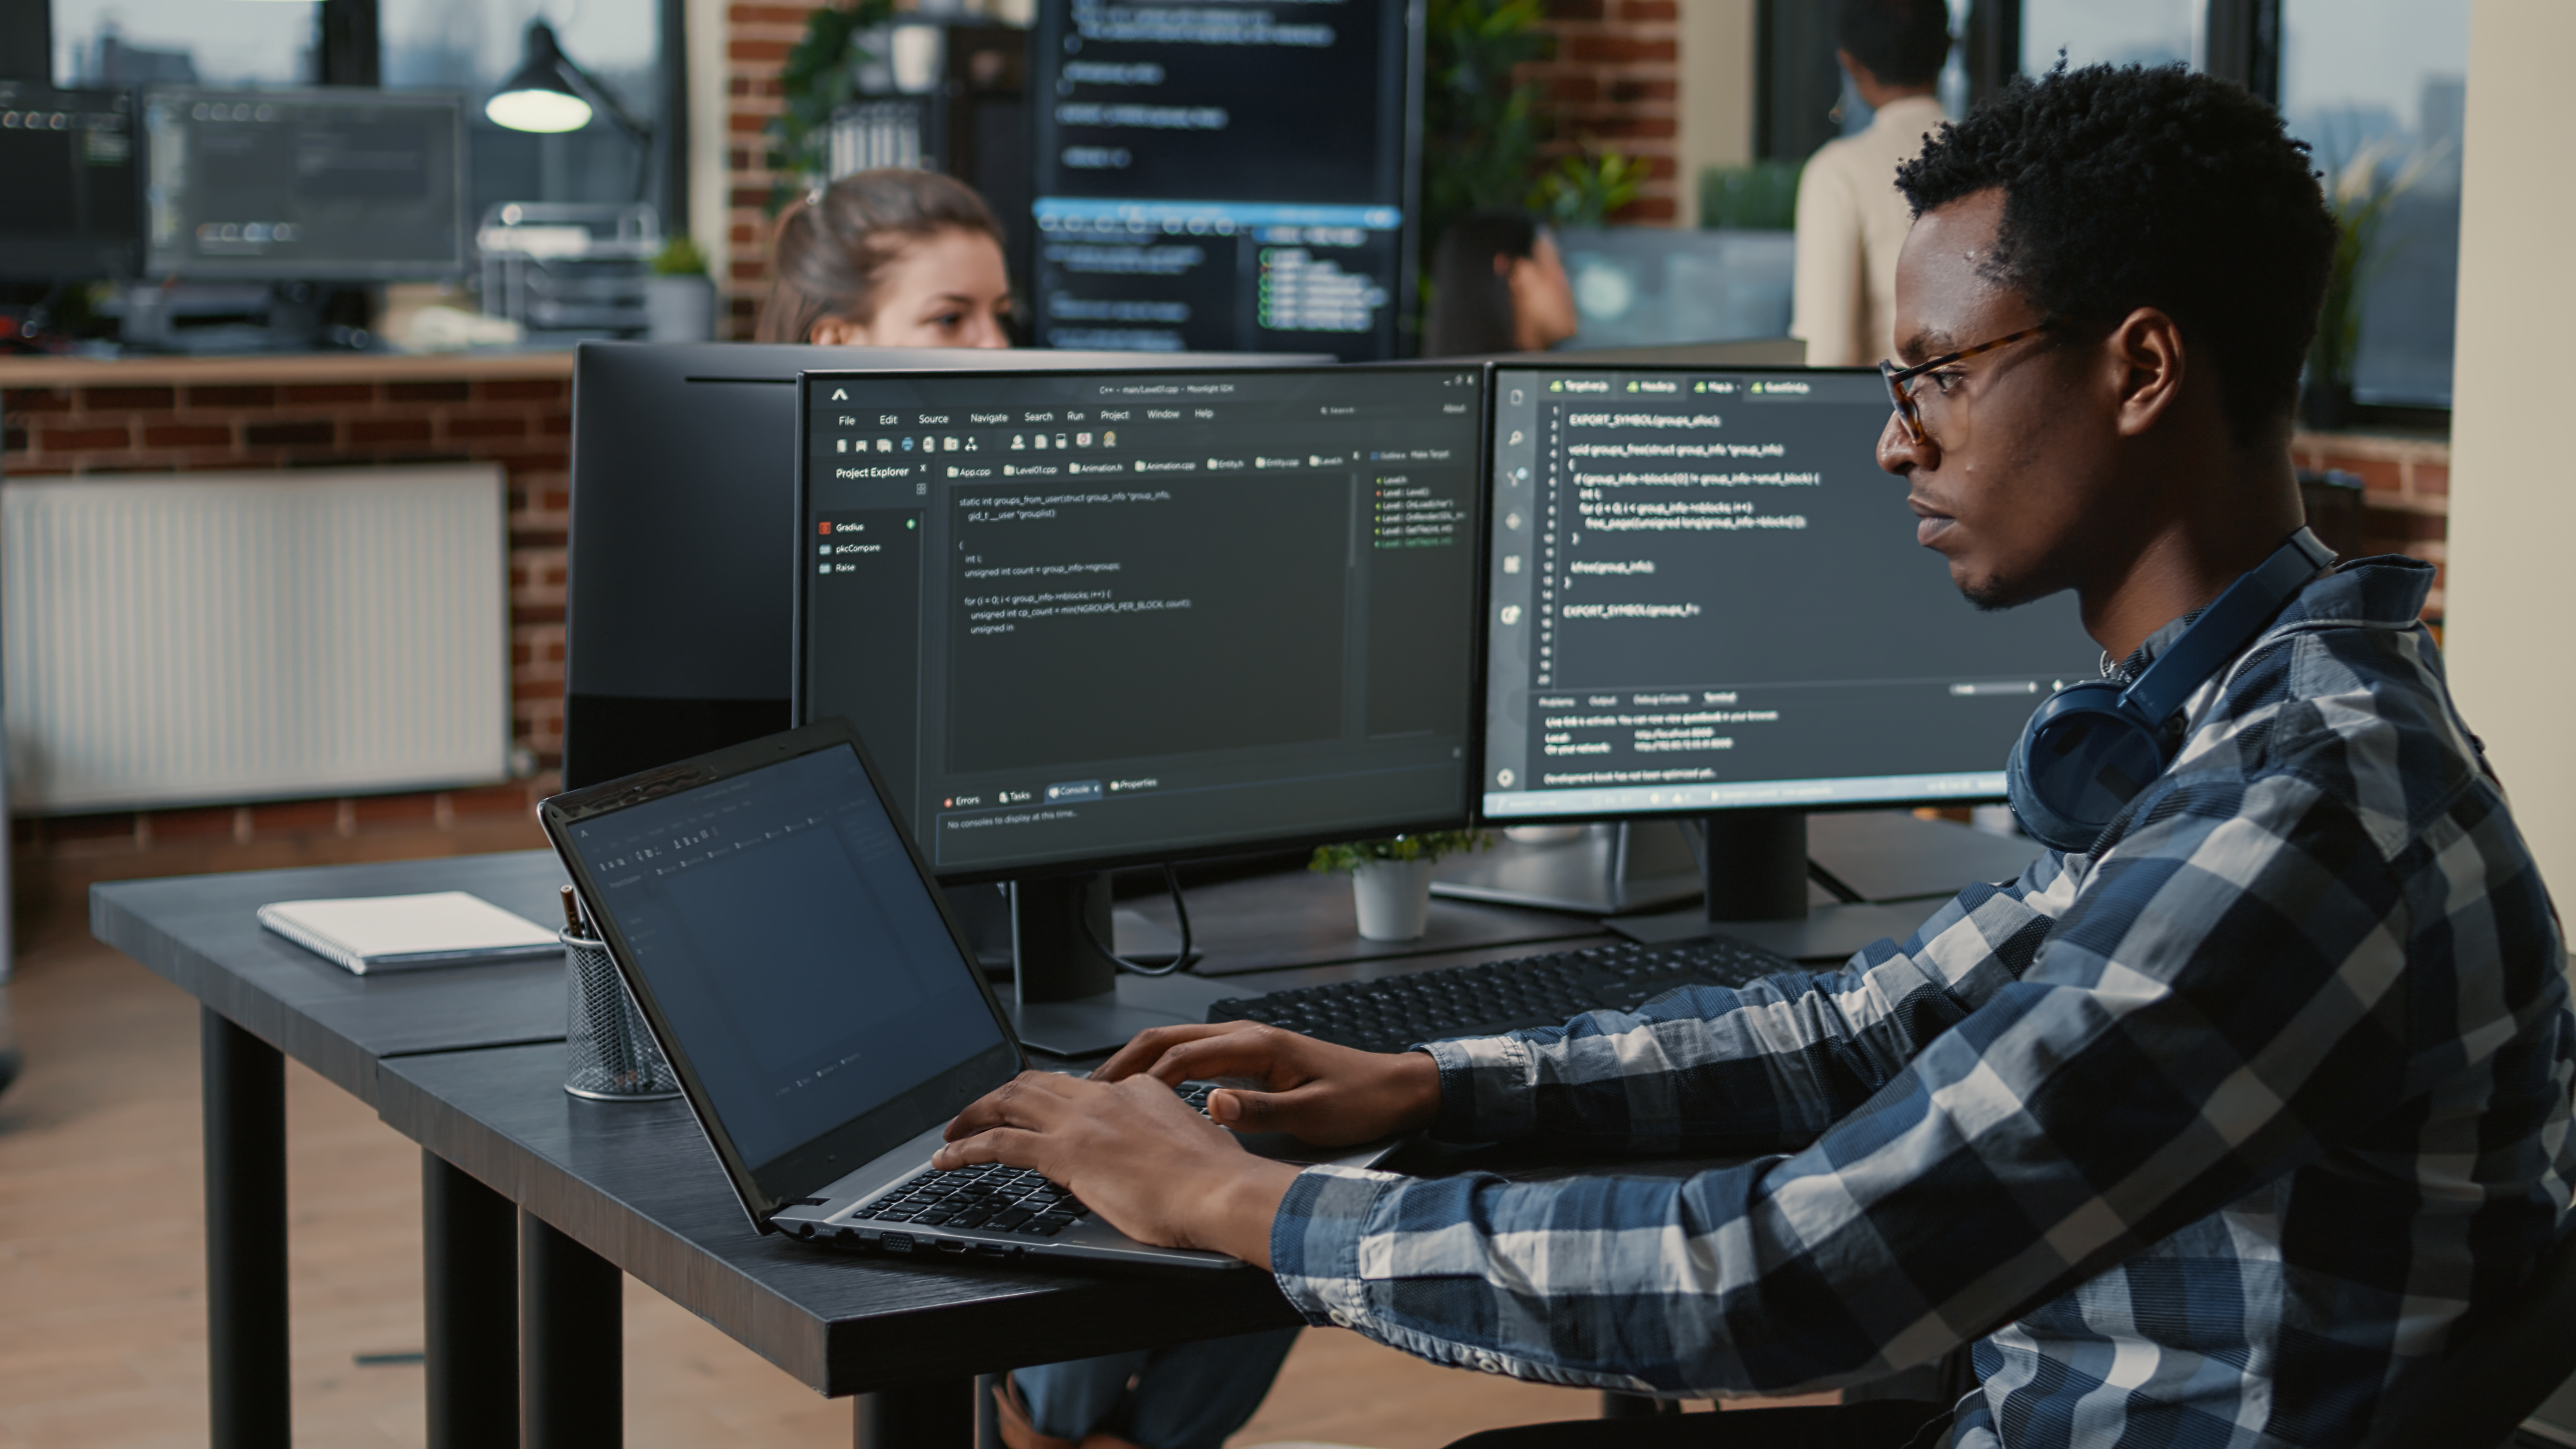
(2128, 187)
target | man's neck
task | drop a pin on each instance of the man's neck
(2230, 524)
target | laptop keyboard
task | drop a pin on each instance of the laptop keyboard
(994, 1198)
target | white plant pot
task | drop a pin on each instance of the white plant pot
(679, 309)
(1394, 899)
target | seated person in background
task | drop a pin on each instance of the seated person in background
(1851, 220)
(889, 258)
(1497, 285)
(2213, 1127)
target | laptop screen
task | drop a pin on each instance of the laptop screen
(797, 959)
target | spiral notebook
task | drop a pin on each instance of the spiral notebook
(367, 934)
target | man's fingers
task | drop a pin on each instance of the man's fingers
(1263, 1111)
(1009, 1146)
(1031, 1099)
(1149, 1045)
(1266, 1052)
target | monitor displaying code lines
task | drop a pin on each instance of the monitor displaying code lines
(1705, 594)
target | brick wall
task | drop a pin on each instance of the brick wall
(1615, 84)
(523, 424)
(2406, 487)
(757, 39)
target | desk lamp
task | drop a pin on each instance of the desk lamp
(550, 93)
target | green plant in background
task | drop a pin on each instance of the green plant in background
(679, 257)
(2360, 190)
(1759, 197)
(1480, 129)
(1584, 187)
(821, 75)
(1582, 190)
(1429, 845)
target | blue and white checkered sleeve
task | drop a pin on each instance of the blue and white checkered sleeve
(2211, 1007)
(1762, 1068)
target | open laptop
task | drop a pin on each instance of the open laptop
(799, 965)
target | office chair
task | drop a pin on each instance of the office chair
(2492, 1380)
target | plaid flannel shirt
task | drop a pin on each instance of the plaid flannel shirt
(2205, 1136)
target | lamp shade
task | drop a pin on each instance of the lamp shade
(539, 96)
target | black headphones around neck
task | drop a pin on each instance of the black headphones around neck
(2091, 747)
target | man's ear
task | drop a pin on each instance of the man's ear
(2145, 356)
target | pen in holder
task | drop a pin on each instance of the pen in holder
(609, 1053)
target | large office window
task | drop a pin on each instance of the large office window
(2381, 84)
(195, 42)
(2116, 32)
(474, 45)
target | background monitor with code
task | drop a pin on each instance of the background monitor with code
(1707, 596)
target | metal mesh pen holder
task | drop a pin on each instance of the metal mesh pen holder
(609, 1053)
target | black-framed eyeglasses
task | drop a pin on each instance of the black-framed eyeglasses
(1900, 380)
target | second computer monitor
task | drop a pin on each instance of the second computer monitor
(1090, 618)
(68, 194)
(350, 185)
(1707, 596)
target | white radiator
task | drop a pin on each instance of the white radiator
(219, 638)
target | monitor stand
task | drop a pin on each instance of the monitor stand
(1757, 874)
(1632, 865)
(1066, 997)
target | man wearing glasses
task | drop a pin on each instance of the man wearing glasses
(2215, 1126)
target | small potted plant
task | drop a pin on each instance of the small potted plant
(679, 300)
(1391, 878)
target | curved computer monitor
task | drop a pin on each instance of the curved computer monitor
(1706, 596)
(679, 629)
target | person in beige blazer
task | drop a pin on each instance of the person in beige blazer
(1850, 218)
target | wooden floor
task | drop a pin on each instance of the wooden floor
(102, 1273)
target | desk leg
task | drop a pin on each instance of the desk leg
(931, 1414)
(572, 1323)
(245, 1120)
(470, 1294)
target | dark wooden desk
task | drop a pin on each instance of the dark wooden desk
(468, 1062)
(636, 1183)
(533, 1294)
(265, 999)
(202, 933)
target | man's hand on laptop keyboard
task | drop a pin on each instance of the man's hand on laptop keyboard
(1317, 1092)
(1134, 1153)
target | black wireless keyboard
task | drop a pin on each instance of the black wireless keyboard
(1492, 997)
